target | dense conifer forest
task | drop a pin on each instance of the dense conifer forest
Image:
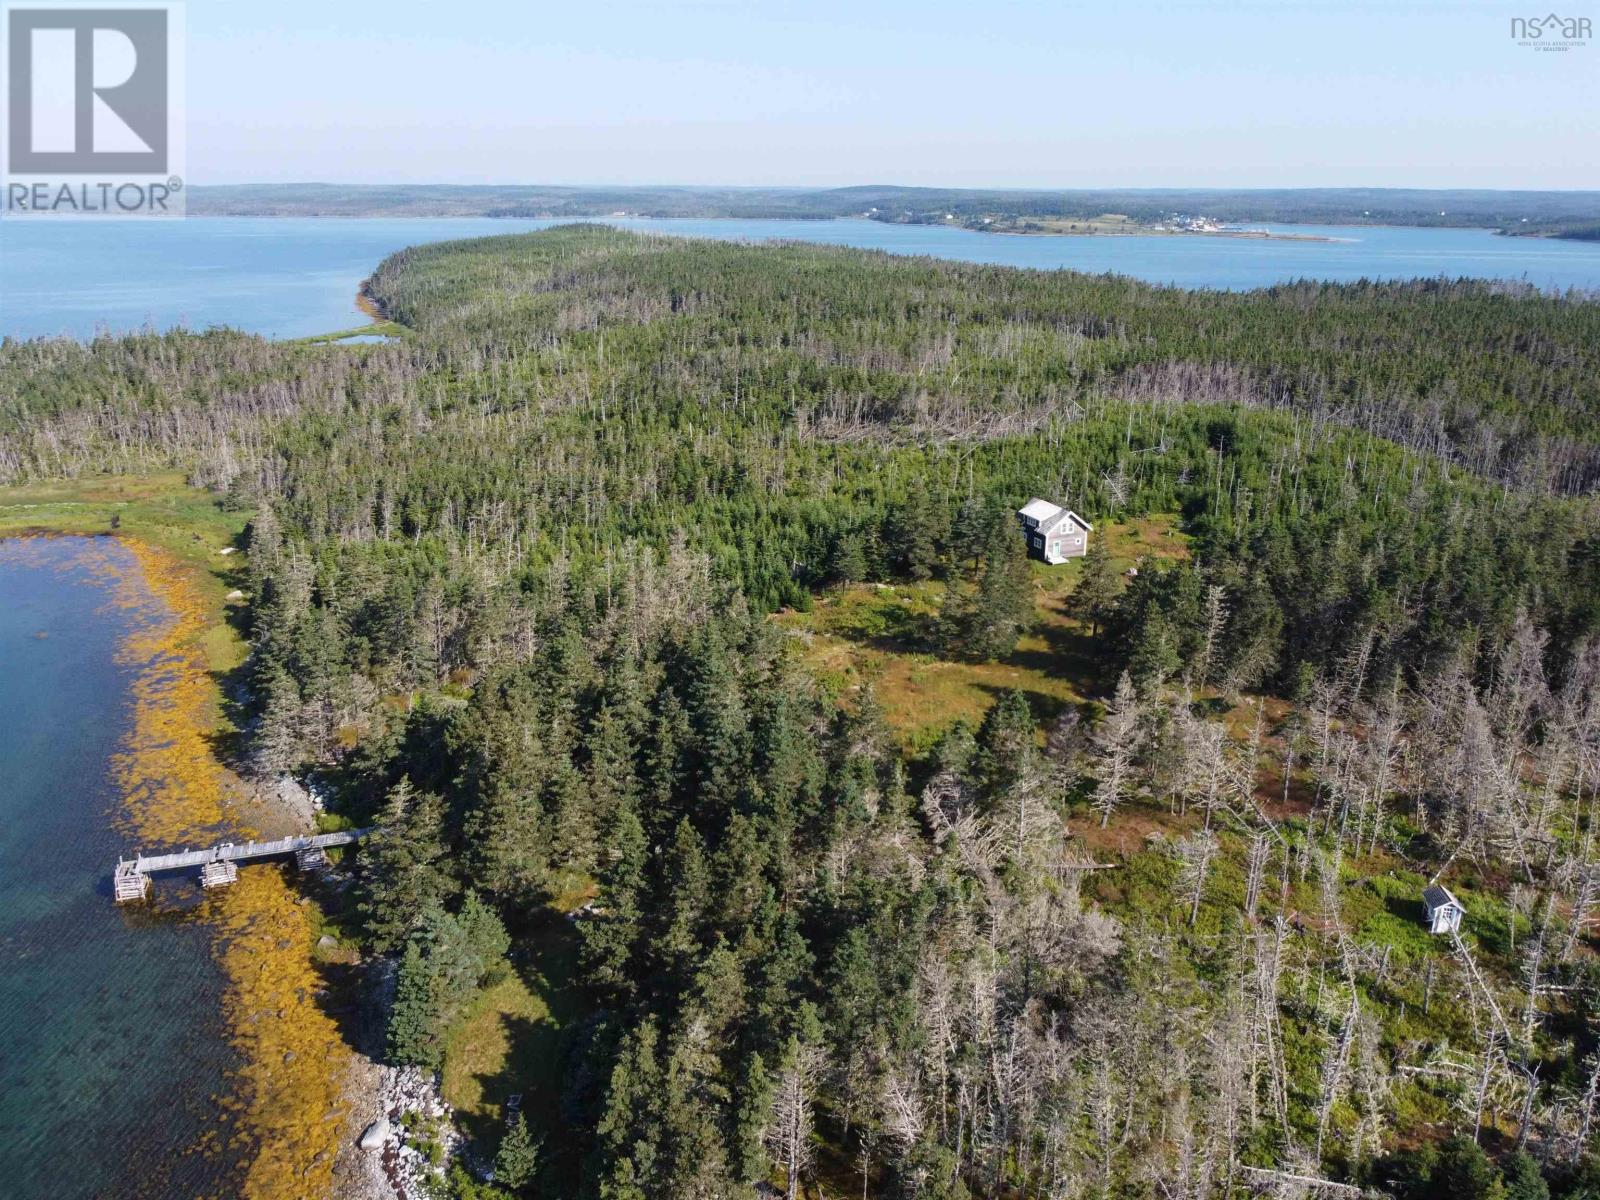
(530, 587)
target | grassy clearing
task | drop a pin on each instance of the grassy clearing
(509, 1041)
(375, 329)
(878, 634)
(162, 511)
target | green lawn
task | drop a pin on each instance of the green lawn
(509, 1041)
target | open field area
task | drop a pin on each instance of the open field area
(881, 635)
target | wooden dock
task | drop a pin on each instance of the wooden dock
(219, 864)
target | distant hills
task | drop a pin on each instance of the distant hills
(1555, 214)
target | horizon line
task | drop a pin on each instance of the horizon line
(784, 187)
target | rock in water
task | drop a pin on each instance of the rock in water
(372, 1138)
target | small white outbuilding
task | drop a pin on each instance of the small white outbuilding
(1441, 911)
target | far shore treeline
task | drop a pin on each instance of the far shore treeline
(1569, 214)
(512, 585)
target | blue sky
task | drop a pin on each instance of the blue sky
(997, 93)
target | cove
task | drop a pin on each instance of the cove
(112, 1046)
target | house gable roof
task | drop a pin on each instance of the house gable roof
(1062, 518)
(1435, 896)
(1047, 516)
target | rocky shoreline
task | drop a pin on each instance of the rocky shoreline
(377, 1160)
(391, 1113)
(388, 1112)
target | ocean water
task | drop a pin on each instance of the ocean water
(111, 1039)
(296, 277)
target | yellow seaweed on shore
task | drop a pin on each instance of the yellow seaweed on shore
(170, 781)
(285, 1114)
(290, 1081)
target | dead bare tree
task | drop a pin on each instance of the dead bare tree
(1194, 864)
(1216, 617)
(1255, 870)
(789, 1127)
(1115, 742)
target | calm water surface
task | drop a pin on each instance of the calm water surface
(111, 1045)
(293, 277)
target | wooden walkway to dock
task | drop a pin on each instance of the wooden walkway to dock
(218, 864)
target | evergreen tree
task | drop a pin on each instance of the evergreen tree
(609, 936)
(971, 530)
(684, 897)
(1006, 741)
(404, 864)
(754, 1107)
(508, 769)
(412, 1033)
(1097, 588)
(720, 724)
(484, 932)
(986, 623)
(1465, 1172)
(518, 1156)
(1155, 657)
(612, 776)
(848, 563)
(915, 530)
(695, 1158)
(1523, 1180)
(628, 1135)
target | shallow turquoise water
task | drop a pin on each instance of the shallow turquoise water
(294, 277)
(111, 1046)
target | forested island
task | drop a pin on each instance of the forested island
(756, 812)
(1570, 214)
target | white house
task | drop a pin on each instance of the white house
(1053, 533)
(1441, 911)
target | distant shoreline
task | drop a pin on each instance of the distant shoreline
(568, 218)
(1247, 234)
(1513, 211)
